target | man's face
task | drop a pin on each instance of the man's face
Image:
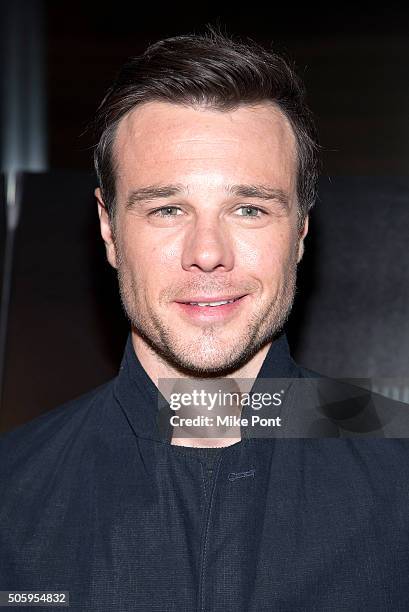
(206, 213)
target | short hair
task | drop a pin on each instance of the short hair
(213, 71)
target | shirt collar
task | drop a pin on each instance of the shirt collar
(138, 396)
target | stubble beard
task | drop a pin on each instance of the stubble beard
(206, 356)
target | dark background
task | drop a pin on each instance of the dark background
(354, 61)
(66, 330)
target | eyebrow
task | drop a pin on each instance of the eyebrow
(153, 192)
(156, 192)
(262, 192)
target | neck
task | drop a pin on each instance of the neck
(158, 368)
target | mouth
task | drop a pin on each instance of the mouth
(204, 308)
(212, 302)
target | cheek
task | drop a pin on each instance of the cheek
(265, 253)
(248, 253)
(151, 261)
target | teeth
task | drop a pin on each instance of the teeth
(211, 303)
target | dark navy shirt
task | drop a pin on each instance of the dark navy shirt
(94, 501)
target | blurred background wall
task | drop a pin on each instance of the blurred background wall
(65, 328)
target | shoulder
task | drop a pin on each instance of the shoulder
(43, 439)
(352, 405)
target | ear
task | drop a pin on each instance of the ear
(106, 229)
(302, 235)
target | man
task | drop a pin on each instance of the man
(207, 169)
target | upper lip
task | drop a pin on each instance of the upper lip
(206, 298)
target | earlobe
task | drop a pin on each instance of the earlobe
(300, 251)
(303, 234)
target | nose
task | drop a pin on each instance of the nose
(207, 247)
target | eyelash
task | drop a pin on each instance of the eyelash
(249, 206)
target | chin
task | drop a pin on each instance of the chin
(194, 361)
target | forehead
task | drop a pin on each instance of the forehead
(162, 141)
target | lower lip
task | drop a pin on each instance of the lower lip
(210, 313)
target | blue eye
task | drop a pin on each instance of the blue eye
(250, 211)
(166, 211)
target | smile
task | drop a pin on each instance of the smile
(221, 303)
(201, 309)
